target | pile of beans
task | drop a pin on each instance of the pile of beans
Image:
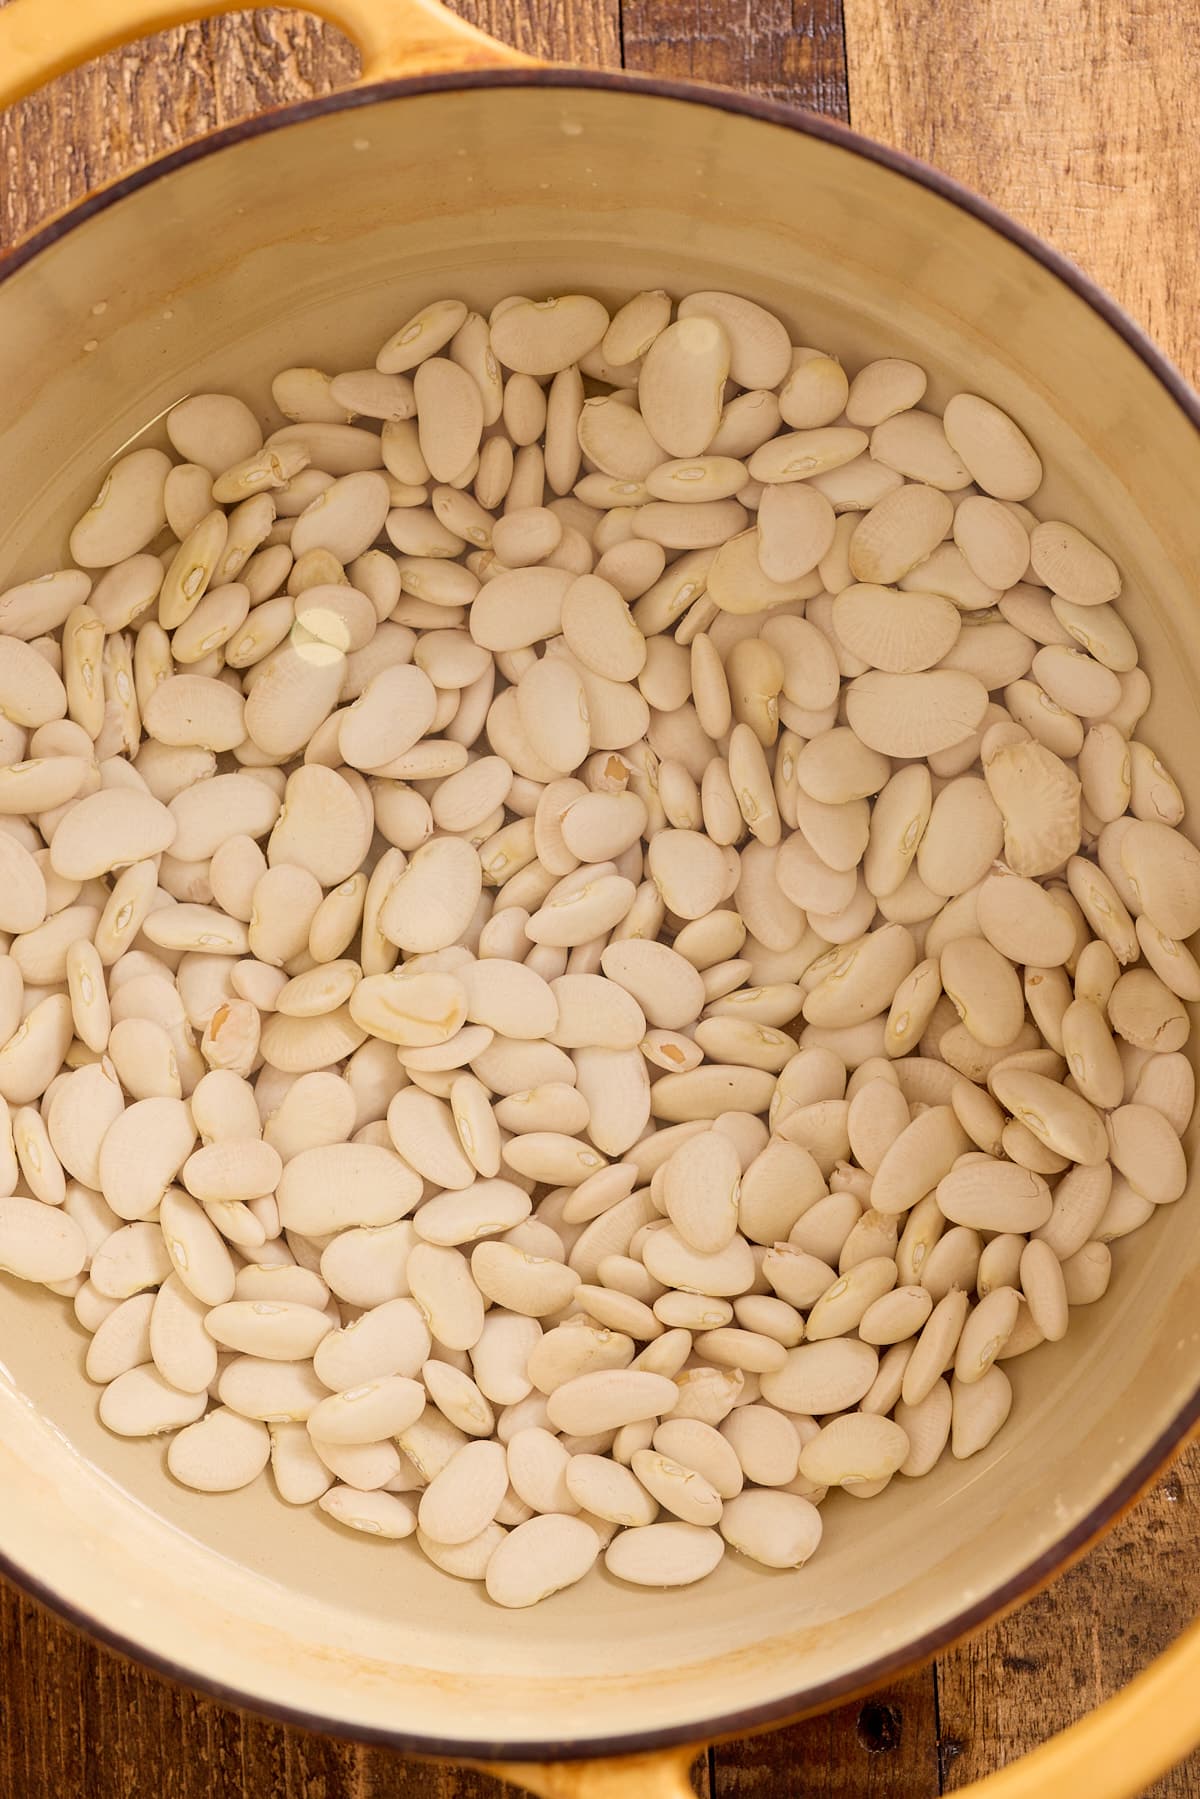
(589, 945)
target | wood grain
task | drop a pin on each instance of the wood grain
(882, 1748)
(1067, 113)
(783, 48)
(1076, 115)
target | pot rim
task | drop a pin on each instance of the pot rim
(1102, 1516)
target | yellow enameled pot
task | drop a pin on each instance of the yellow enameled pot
(458, 166)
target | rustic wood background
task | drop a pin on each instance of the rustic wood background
(1075, 115)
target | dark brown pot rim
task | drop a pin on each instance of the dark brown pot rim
(1105, 1513)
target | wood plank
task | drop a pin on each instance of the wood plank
(1075, 115)
(772, 47)
(563, 30)
(884, 1747)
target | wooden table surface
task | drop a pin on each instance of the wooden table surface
(1075, 115)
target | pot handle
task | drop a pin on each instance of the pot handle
(40, 39)
(664, 1775)
(1115, 1753)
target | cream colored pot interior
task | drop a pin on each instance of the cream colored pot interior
(309, 244)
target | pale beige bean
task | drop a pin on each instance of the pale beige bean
(1105, 763)
(32, 608)
(796, 527)
(366, 1414)
(221, 1172)
(377, 1514)
(979, 1411)
(993, 540)
(81, 1111)
(23, 900)
(279, 1330)
(1072, 566)
(1154, 794)
(449, 1300)
(298, 1472)
(39, 1242)
(108, 830)
(609, 1398)
(709, 1394)
(994, 1196)
(211, 812)
(1172, 962)
(331, 1186)
(780, 1530)
(635, 326)
(1146, 1150)
(860, 980)
(540, 337)
(815, 391)
(681, 383)
(985, 989)
(1022, 920)
(1064, 1121)
(41, 783)
(664, 1555)
(122, 1340)
(130, 1260)
(127, 512)
(1092, 1055)
(854, 1450)
(842, 1306)
(89, 999)
(883, 388)
(986, 1331)
(935, 1347)
(464, 1496)
(390, 1339)
(760, 355)
(918, 1159)
(609, 1491)
(836, 767)
(896, 1316)
(912, 1007)
(914, 714)
(1144, 1011)
(140, 1403)
(681, 1490)
(1086, 1274)
(927, 1427)
(822, 1377)
(427, 332)
(915, 444)
(1045, 1289)
(540, 1557)
(479, 1209)
(458, 1398)
(1001, 459)
(1162, 870)
(225, 1110)
(141, 1154)
(1168, 1084)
